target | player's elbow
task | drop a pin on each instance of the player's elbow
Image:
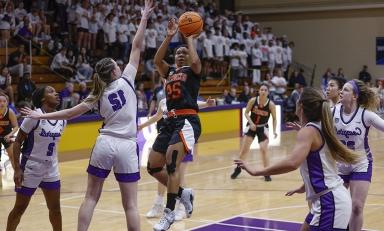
(293, 164)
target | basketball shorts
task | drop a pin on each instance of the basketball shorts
(359, 171)
(120, 154)
(331, 211)
(185, 129)
(43, 174)
(261, 133)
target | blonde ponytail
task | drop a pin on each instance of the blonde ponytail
(97, 90)
(338, 150)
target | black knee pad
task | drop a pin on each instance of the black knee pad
(171, 168)
(152, 171)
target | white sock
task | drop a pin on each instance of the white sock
(159, 199)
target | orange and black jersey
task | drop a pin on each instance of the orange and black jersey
(260, 113)
(182, 88)
(5, 124)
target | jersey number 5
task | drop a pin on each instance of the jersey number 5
(174, 90)
(117, 100)
(51, 146)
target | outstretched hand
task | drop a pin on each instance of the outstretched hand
(173, 27)
(246, 167)
(299, 190)
(294, 125)
(29, 113)
(149, 6)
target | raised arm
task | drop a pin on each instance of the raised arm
(137, 42)
(372, 119)
(65, 114)
(161, 65)
(195, 60)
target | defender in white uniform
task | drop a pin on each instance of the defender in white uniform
(39, 165)
(353, 118)
(315, 152)
(114, 95)
(39, 154)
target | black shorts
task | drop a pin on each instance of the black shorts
(4, 143)
(261, 133)
(81, 29)
(185, 129)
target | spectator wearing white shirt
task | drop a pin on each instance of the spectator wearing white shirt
(265, 51)
(207, 53)
(280, 85)
(150, 41)
(257, 56)
(20, 13)
(279, 55)
(243, 62)
(60, 64)
(72, 21)
(7, 23)
(161, 28)
(82, 16)
(271, 56)
(109, 29)
(218, 45)
(123, 35)
(93, 27)
(234, 55)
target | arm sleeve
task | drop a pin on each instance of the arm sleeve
(372, 119)
(28, 124)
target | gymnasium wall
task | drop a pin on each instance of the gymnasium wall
(334, 42)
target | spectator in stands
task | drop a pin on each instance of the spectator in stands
(25, 88)
(245, 94)
(235, 55)
(340, 72)
(365, 76)
(257, 56)
(291, 102)
(83, 66)
(6, 84)
(324, 81)
(150, 41)
(60, 64)
(68, 98)
(35, 21)
(61, 15)
(207, 53)
(142, 102)
(271, 56)
(265, 51)
(123, 35)
(20, 13)
(280, 84)
(243, 73)
(83, 15)
(7, 22)
(231, 98)
(83, 91)
(24, 29)
(109, 29)
(297, 77)
(93, 26)
(17, 64)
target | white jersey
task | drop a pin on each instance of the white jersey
(118, 106)
(43, 137)
(352, 132)
(163, 107)
(319, 171)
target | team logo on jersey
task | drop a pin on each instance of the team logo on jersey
(54, 135)
(336, 120)
(347, 133)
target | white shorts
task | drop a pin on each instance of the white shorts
(121, 154)
(331, 211)
(361, 171)
(43, 174)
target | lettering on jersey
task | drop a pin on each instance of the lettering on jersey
(347, 133)
(54, 135)
(177, 77)
(257, 111)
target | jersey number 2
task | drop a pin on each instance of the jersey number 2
(117, 100)
(174, 90)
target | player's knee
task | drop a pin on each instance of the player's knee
(357, 207)
(152, 171)
(171, 167)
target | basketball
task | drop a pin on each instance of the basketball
(190, 23)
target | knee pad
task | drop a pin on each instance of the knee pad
(171, 168)
(152, 171)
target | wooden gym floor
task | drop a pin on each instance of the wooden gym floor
(247, 203)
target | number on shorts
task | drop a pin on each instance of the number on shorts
(51, 146)
(117, 100)
(174, 90)
(349, 144)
